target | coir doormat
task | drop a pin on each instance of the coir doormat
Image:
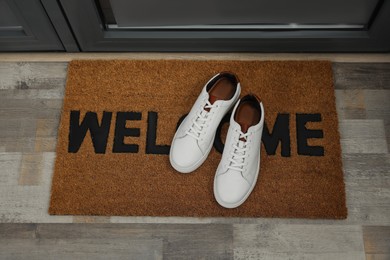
(119, 118)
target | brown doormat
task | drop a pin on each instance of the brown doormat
(133, 108)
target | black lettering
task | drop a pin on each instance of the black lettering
(151, 147)
(280, 134)
(121, 131)
(303, 134)
(218, 144)
(78, 131)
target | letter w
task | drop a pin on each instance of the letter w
(78, 131)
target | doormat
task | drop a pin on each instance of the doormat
(119, 118)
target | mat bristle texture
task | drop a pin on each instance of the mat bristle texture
(141, 184)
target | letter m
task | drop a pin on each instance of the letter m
(280, 134)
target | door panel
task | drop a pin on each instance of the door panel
(24, 26)
(249, 13)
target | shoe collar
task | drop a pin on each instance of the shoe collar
(253, 128)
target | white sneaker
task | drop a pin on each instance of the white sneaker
(195, 136)
(237, 172)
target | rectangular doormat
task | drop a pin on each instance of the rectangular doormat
(123, 116)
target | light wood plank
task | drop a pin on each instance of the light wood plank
(57, 93)
(242, 254)
(377, 256)
(29, 204)
(167, 220)
(27, 75)
(362, 129)
(199, 241)
(17, 231)
(350, 104)
(46, 127)
(363, 136)
(367, 214)
(45, 144)
(91, 219)
(368, 188)
(9, 168)
(377, 104)
(365, 196)
(17, 127)
(31, 170)
(19, 144)
(360, 75)
(364, 145)
(80, 249)
(30, 109)
(376, 239)
(298, 242)
(387, 130)
(367, 167)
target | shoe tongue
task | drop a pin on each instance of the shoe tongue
(212, 99)
(245, 127)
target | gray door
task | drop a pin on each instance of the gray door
(24, 26)
(229, 25)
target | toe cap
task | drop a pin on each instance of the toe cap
(231, 187)
(185, 152)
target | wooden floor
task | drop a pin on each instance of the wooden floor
(31, 93)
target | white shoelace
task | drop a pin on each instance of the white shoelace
(198, 124)
(238, 155)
